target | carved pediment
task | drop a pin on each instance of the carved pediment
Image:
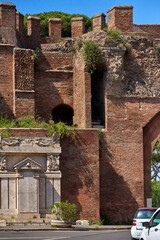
(27, 164)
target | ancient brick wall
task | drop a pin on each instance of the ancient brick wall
(6, 80)
(51, 89)
(54, 60)
(124, 171)
(152, 29)
(125, 175)
(24, 102)
(81, 93)
(79, 164)
(142, 74)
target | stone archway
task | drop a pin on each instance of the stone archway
(151, 133)
(63, 113)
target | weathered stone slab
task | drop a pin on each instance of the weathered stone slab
(28, 193)
(4, 193)
(57, 190)
(49, 193)
(12, 193)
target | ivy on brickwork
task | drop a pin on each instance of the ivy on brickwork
(28, 122)
(91, 52)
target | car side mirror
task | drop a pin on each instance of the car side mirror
(146, 224)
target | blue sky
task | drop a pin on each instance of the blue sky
(145, 11)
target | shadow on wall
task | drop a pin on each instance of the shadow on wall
(5, 110)
(116, 199)
(52, 88)
(79, 164)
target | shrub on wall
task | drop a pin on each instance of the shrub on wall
(28, 122)
(115, 36)
(92, 55)
(91, 52)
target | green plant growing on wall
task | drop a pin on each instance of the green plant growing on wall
(115, 36)
(105, 28)
(92, 55)
(5, 133)
(59, 128)
(28, 122)
(7, 123)
(64, 211)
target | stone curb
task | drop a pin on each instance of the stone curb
(75, 228)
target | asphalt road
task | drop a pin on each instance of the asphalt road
(78, 235)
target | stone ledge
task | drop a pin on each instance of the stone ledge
(77, 19)
(55, 20)
(99, 15)
(120, 7)
(33, 18)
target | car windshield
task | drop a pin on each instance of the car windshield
(144, 213)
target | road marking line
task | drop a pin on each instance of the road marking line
(44, 238)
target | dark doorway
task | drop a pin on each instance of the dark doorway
(98, 100)
(63, 113)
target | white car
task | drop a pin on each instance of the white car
(142, 215)
(151, 230)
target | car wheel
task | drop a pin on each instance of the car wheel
(134, 238)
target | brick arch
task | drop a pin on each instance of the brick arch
(151, 133)
(63, 113)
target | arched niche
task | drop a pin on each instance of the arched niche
(63, 113)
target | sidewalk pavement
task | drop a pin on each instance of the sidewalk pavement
(73, 228)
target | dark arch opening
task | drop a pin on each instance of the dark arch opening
(63, 113)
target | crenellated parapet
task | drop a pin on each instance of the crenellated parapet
(119, 17)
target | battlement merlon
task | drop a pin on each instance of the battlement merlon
(7, 4)
(121, 17)
(8, 23)
(99, 21)
(77, 26)
(55, 28)
(120, 7)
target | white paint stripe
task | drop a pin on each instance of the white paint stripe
(55, 238)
